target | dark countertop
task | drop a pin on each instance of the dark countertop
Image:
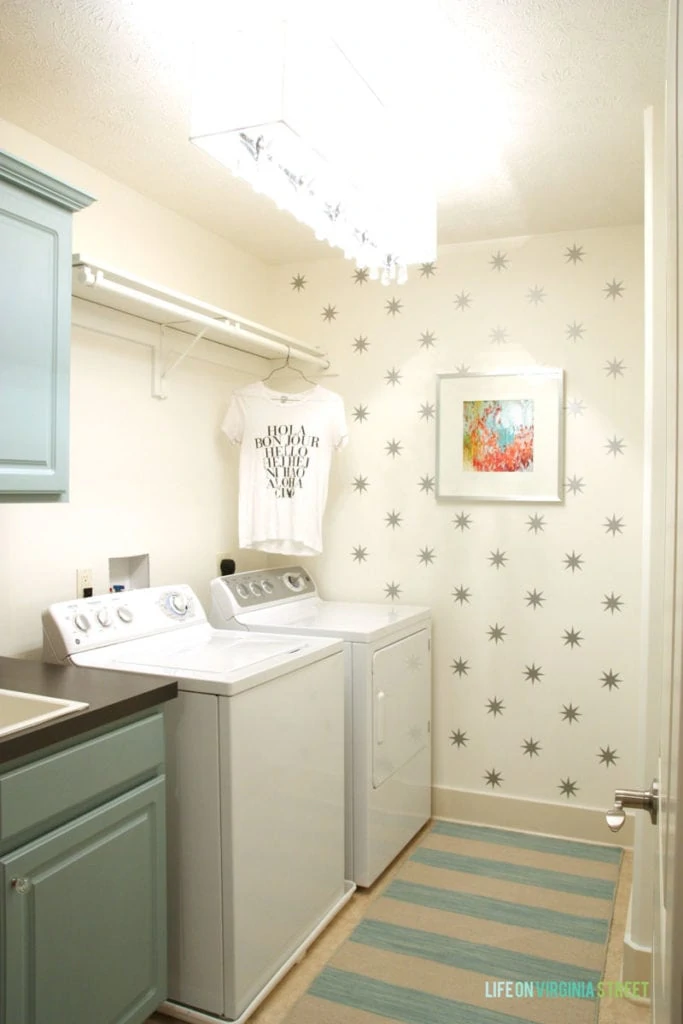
(111, 696)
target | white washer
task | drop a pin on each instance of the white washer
(388, 700)
(255, 784)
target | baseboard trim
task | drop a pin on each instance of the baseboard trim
(566, 822)
(636, 962)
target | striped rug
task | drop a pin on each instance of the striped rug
(479, 926)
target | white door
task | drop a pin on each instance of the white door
(401, 694)
(668, 916)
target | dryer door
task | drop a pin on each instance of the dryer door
(401, 703)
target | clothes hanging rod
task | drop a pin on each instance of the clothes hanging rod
(128, 294)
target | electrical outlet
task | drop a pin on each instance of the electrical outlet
(83, 582)
(221, 558)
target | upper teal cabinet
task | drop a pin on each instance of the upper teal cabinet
(35, 320)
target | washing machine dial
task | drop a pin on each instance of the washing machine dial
(82, 622)
(256, 589)
(103, 617)
(294, 581)
(267, 587)
(125, 614)
(242, 591)
(176, 604)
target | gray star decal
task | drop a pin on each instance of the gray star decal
(361, 275)
(611, 680)
(393, 448)
(531, 747)
(427, 269)
(576, 407)
(463, 301)
(493, 778)
(426, 556)
(536, 523)
(462, 521)
(462, 370)
(427, 339)
(359, 554)
(533, 673)
(615, 446)
(329, 313)
(392, 590)
(498, 336)
(298, 282)
(575, 484)
(360, 413)
(426, 484)
(460, 667)
(614, 289)
(573, 562)
(575, 331)
(567, 787)
(574, 254)
(393, 519)
(427, 411)
(607, 756)
(534, 599)
(497, 633)
(536, 295)
(361, 344)
(569, 713)
(393, 306)
(459, 738)
(614, 525)
(615, 368)
(498, 558)
(612, 602)
(360, 484)
(572, 637)
(393, 376)
(499, 261)
(495, 707)
(461, 595)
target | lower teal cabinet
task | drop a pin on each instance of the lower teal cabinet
(83, 917)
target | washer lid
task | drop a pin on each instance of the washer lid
(345, 619)
(213, 661)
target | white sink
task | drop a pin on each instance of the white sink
(22, 710)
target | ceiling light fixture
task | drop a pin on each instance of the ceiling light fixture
(283, 108)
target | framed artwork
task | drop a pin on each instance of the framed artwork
(499, 436)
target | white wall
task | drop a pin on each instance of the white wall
(537, 333)
(146, 476)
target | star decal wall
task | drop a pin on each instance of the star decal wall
(531, 747)
(427, 269)
(462, 521)
(536, 295)
(493, 778)
(463, 301)
(361, 344)
(360, 484)
(615, 446)
(361, 275)
(462, 370)
(393, 448)
(427, 411)
(494, 706)
(534, 599)
(498, 559)
(426, 556)
(497, 633)
(427, 339)
(392, 590)
(536, 523)
(499, 261)
(567, 787)
(610, 680)
(359, 554)
(460, 667)
(615, 368)
(575, 331)
(498, 336)
(298, 282)
(329, 313)
(575, 485)
(569, 713)
(576, 407)
(426, 484)
(459, 738)
(613, 602)
(393, 376)
(574, 254)
(393, 306)
(572, 637)
(614, 289)
(360, 413)
(532, 673)
(614, 525)
(393, 519)
(461, 595)
(607, 756)
(573, 562)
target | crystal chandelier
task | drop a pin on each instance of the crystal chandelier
(284, 109)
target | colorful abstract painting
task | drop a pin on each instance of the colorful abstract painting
(498, 436)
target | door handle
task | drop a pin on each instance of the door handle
(379, 724)
(638, 799)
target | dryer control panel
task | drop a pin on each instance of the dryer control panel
(265, 586)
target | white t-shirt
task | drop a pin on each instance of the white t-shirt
(287, 443)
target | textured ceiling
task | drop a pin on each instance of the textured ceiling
(533, 109)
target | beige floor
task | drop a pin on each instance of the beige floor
(275, 1008)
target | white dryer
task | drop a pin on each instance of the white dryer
(255, 785)
(387, 654)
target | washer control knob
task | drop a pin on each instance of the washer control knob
(103, 617)
(82, 622)
(242, 591)
(294, 581)
(125, 614)
(178, 603)
(256, 589)
(268, 587)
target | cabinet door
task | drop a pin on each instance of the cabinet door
(35, 300)
(83, 940)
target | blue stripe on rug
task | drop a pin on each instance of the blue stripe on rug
(468, 956)
(524, 841)
(598, 888)
(402, 1004)
(588, 929)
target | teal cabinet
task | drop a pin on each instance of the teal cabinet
(35, 298)
(83, 907)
